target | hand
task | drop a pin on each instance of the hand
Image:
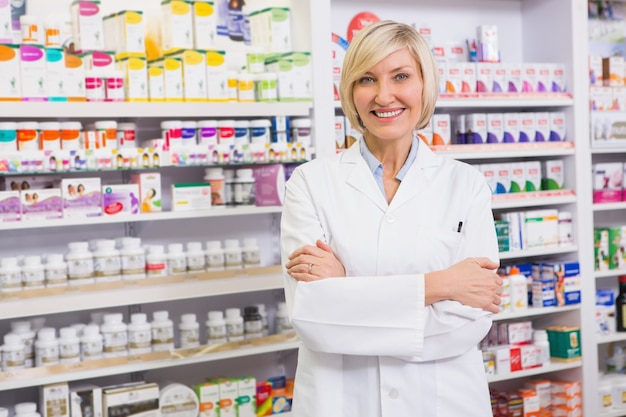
(471, 282)
(311, 263)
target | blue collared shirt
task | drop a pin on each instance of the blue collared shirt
(377, 168)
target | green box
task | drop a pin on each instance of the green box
(564, 343)
(502, 232)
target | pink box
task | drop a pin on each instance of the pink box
(10, 208)
(270, 185)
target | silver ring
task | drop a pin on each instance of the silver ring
(310, 268)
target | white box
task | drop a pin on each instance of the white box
(495, 128)
(527, 128)
(468, 77)
(271, 29)
(156, 83)
(74, 78)
(10, 82)
(489, 172)
(82, 197)
(130, 30)
(204, 24)
(340, 132)
(557, 127)
(544, 78)
(553, 175)
(33, 73)
(530, 77)
(517, 175)
(511, 127)
(595, 71)
(442, 131)
(87, 26)
(542, 126)
(532, 171)
(149, 190)
(454, 83)
(85, 400)
(484, 77)
(208, 394)
(54, 400)
(503, 178)
(541, 228)
(514, 78)
(476, 124)
(136, 78)
(55, 74)
(192, 196)
(6, 34)
(216, 76)
(41, 204)
(500, 78)
(176, 25)
(194, 75)
(246, 397)
(131, 400)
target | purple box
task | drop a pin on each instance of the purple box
(10, 207)
(41, 204)
(270, 185)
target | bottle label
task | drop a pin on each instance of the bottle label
(114, 342)
(195, 263)
(189, 338)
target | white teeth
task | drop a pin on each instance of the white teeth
(388, 113)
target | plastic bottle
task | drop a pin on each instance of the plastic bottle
(79, 327)
(263, 313)
(216, 328)
(283, 324)
(540, 339)
(70, 135)
(234, 325)
(250, 252)
(195, 257)
(242, 132)
(69, 345)
(207, 132)
(23, 329)
(26, 410)
(80, 269)
(13, 352)
(214, 256)
(107, 262)
(55, 271)
(229, 187)
(162, 332)
(518, 289)
(620, 305)
(139, 334)
(232, 254)
(91, 343)
(46, 347)
(176, 259)
(133, 259)
(235, 20)
(243, 187)
(189, 331)
(301, 131)
(156, 262)
(114, 336)
(10, 275)
(252, 322)
(260, 131)
(189, 133)
(215, 177)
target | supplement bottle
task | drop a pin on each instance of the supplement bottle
(214, 256)
(69, 345)
(216, 328)
(207, 132)
(260, 131)
(301, 131)
(189, 136)
(23, 329)
(252, 323)
(139, 334)
(46, 347)
(114, 336)
(55, 271)
(243, 187)
(80, 269)
(91, 343)
(126, 134)
(518, 289)
(195, 257)
(283, 324)
(8, 137)
(162, 332)
(33, 275)
(620, 305)
(176, 259)
(26, 410)
(107, 262)
(250, 253)
(263, 313)
(50, 136)
(12, 353)
(28, 136)
(156, 262)
(242, 132)
(70, 135)
(540, 339)
(133, 259)
(229, 187)
(234, 325)
(232, 255)
(215, 177)
(189, 331)
(10, 275)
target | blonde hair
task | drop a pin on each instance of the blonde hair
(374, 43)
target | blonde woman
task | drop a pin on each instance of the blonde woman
(389, 252)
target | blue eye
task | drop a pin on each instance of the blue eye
(366, 80)
(402, 77)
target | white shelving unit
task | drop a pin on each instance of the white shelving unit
(553, 367)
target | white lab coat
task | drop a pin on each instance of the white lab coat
(370, 346)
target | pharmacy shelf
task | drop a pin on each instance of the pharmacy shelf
(515, 101)
(609, 273)
(619, 205)
(553, 367)
(165, 215)
(506, 150)
(605, 150)
(33, 377)
(609, 338)
(532, 199)
(614, 413)
(529, 253)
(83, 110)
(534, 311)
(150, 290)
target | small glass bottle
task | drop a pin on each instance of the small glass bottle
(189, 331)
(620, 305)
(176, 259)
(162, 332)
(216, 328)
(234, 325)
(195, 257)
(214, 256)
(252, 322)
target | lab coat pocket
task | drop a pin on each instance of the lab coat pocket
(437, 248)
(462, 386)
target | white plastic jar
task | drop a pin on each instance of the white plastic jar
(139, 334)
(243, 187)
(540, 339)
(245, 87)
(23, 329)
(107, 262)
(189, 331)
(55, 271)
(214, 256)
(176, 259)
(301, 131)
(29, 26)
(189, 133)
(114, 336)
(80, 268)
(215, 178)
(50, 136)
(226, 132)
(195, 257)
(33, 275)
(8, 136)
(70, 135)
(251, 254)
(156, 262)
(106, 130)
(234, 325)
(10, 275)
(242, 132)
(207, 132)
(46, 347)
(126, 135)
(26, 410)
(260, 131)
(91, 343)
(162, 332)
(69, 345)
(216, 328)
(12, 353)
(283, 324)
(133, 259)
(28, 136)
(233, 257)
(267, 87)
(172, 133)
(263, 313)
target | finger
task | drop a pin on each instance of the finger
(323, 246)
(304, 250)
(486, 263)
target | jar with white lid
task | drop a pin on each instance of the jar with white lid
(215, 177)
(91, 343)
(207, 132)
(50, 136)
(55, 270)
(69, 345)
(80, 268)
(162, 332)
(133, 259)
(243, 187)
(189, 133)
(250, 253)
(46, 347)
(107, 261)
(70, 135)
(301, 131)
(234, 325)
(216, 328)
(189, 331)
(172, 133)
(156, 261)
(114, 336)
(13, 353)
(232, 255)
(263, 313)
(33, 275)
(23, 329)
(176, 259)
(29, 26)
(245, 87)
(283, 324)
(139, 334)
(106, 130)
(126, 135)
(242, 132)
(226, 132)
(28, 136)
(26, 409)
(8, 136)
(260, 131)
(214, 256)
(195, 257)
(10, 275)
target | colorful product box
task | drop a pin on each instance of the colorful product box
(340, 132)
(454, 79)
(74, 78)
(82, 197)
(246, 397)
(564, 343)
(553, 175)
(511, 128)
(500, 78)
(136, 78)
(194, 74)
(595, 71)
(514, 78)
(228, 396)
(495, 128)
(527, 129)
(489, 172)
(204, 24)
(607, 182)
(566, 278)
(54, 400)
(10, 208)
(271, 29)
(613, 71)
(217, 77)
(617, 247)
(476, 124)
(557, 127)
(263, 399)
(130, 33)
(191, 196)
(541, 228)
(33, 73)
(530, 77)
(156, 83)
(441, 129)
(542, 126)
(41, 204)
(532, 171)
(55, 74)
(209, 397)
(544, 78)
(517, 175)
(543, 293)
(559, 84)
(149, 190)
(176, 25)
(468, 77)
(87, 26)
(10, 82)
(601, 249)
(6, 34)
(99, 60)
(503, 178)
(120, 199)
(270, 185)
(131, 400)
(484, 77)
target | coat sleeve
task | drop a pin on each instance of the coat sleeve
(327, 322)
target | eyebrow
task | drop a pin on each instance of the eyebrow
(402, 68)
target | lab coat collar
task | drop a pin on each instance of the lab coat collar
(360, 177)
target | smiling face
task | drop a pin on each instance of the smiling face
(388, 97)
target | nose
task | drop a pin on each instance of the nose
(385, 93)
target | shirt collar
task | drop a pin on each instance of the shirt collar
(375, 166)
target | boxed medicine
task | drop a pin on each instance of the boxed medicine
(87, 25)
(149, 190)
(54, 400)
(41, 204)
(269, 185)
(120, 199)
(82, 197)
(191, 196)
(33, 73)
(10, 206)
(10, 82)
(85, 400)
(131, 400)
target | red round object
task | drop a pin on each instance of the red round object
(358, 22)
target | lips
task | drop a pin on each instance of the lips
(387, 114)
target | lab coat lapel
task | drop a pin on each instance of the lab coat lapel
(359, 176)
(420, 173)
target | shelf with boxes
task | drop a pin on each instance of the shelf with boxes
(553, 367)
(538, 252)
(533, 312)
